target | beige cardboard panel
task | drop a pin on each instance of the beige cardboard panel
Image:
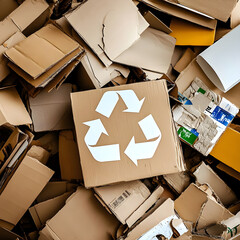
(190, 202)
(205, 175)
(33, 60)
(194, 70)
(165, 210)
(123, 198)
(177, 11)
(83, 217)
(235, 16)
(12, 109)
(153, 51)
(34, 9)
(125, 127)
(150, 201)
(69, 159)
(52, 111)
(27, 182)
(45, 210)
(219, 9)
(156, 23)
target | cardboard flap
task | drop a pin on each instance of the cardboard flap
(219, 9)
(12, 109)
(220, 61)
(235, 16)
(26, 183)
(8, 235)
(7, 29)
(153, 51)
(34, 8)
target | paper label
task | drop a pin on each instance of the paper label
(187, 135)
(117, 202)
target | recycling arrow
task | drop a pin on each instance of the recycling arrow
(104, 153)
(110, 99)
(136, 151)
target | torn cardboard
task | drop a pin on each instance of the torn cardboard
(52, 111)
(69, 157)
(12, 109)
(205, 175)
(221, 60)
(119, 166)
(82, 217)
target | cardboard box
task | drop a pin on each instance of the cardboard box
(24, 186)
(157, 223)
(52, 111)
(115, 40)
(218, 9)
(227, 149)
(12, 109)
(8, 235)
(221, 60)
(199, 206)
(82, 217)
(17, 22)
(124, 198)
(69, 159)
(31, 63)
(190, 34)
(205, 175)
(43, 211)
(121, 161)
(180, 11)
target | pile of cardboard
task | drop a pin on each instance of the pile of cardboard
(119, 119)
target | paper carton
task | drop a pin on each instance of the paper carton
(12, 109)
(52, 111)
(24, 186)
(227, 149)
(128, 112)
(220, 61)
(82, 217)
(205, 175)
(123, 198)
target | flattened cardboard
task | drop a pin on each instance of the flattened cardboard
(205, 175)
(69, 159)
(177, 10)
(51, 42)
(103, 173)
(27, 182)
(221, 60)
(219, 9)
(123, 198)
(194, 70)
(102, 33)
(43, 211)
(82, 217)
(52, 111)
(153, 52)
(227, 149)
(12, 109)
(190, 34)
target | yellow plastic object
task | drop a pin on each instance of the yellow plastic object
(227, 149)
(191, 34)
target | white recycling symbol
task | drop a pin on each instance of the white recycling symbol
(135, 151)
